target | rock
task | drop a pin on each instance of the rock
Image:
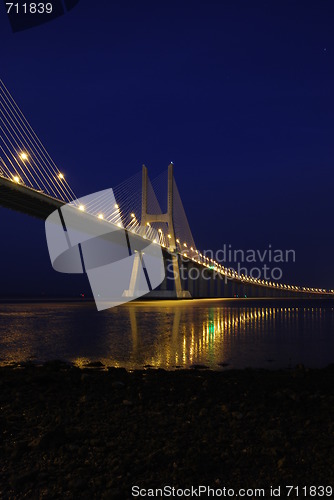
(78, 484)
(126, 402)
(113, 493)
(27, 476)
(52, 438)
(237, 414)
(244, 427)
(94, 364)
(118, 384)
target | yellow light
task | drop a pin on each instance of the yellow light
(191, 248)
(116, 206)
(185, 244)
(169, 236)
(119, 224)
(100, 216)
(160, 230)
(23, 156)
(177, 241)
(16, 178)
(82, 208)
(133, 216)
(61, 176)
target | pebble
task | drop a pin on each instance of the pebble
(70, 433)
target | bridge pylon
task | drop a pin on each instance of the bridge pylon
(147, 218)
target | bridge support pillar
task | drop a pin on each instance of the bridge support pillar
(167, 217)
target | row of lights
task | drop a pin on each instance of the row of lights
(242, 277)
(17, 179)
(24, 157)
(82, 208)
(228, 272)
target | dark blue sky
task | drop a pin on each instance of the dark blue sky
(238, 94)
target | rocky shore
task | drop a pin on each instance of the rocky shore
(94, 433)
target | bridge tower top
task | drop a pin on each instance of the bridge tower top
(166, 217)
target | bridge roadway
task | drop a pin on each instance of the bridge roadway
(200, 281)
(27, 200)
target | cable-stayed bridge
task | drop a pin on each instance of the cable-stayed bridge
(30, 182)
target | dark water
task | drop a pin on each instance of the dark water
(169, 334)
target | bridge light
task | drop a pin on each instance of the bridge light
(133, 216)
(100, 216)
(169, 236)
(16, 178)
(82, 208)
(177, 241)
(116, 206)
(61, 176)
(185, 245)
(23, 156)
(160, 230)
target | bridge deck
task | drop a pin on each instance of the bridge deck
(35, 203)
(27, 200)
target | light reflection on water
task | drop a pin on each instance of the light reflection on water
(169, 334)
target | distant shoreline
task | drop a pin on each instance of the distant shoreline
(224, 300)
(36, 300)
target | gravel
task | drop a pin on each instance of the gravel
(95, 432)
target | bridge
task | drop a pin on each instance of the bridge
(31, 183)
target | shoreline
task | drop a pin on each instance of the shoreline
(100, 366)
(91, 433)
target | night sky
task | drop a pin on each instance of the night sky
(238, 94)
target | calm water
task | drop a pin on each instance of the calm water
(169, 334)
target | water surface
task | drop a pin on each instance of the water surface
(168, 334)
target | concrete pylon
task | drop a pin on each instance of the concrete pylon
(167, 218)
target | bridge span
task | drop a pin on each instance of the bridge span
(197, 279)
(32, 184)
